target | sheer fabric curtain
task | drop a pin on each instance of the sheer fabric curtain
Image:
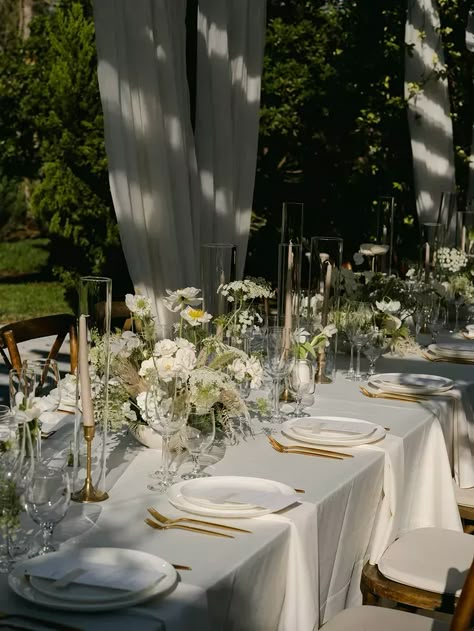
(150, 146)
(431, 127)
(231, 38)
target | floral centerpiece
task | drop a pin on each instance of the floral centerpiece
(212, 369)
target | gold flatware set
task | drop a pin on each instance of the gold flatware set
(160, 522)
(302, 450)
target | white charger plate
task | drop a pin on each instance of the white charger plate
(411, 383)
(461, 350)
(87, 598)
(349, 441)
(176, 497)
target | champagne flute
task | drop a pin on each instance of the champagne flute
(300, 381)
(199, 432)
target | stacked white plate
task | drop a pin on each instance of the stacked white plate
(231, 496)
(456, 349)
(105, 579)
(332, 430)
(411, 383)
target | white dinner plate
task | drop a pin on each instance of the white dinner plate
(462, 350)
(411, 383)
(78, 597)
(198, 491)
(331, 422)
(176, 497)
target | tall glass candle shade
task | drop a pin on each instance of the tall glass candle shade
(384, 233)
(465, 232)
(289, 285)
(447, 217)
(432, 238)
(292, 218)
(217, 268)
(94, 315)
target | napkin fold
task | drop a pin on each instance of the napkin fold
(328, 429)
(264, 499)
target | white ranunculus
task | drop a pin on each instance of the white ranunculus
(147, 367)
(181, 342)
(165, 348)
(176, 299)
(165, 367)
(185, 359)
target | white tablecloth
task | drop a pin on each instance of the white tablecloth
(293, 566)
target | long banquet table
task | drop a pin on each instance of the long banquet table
(300, 567)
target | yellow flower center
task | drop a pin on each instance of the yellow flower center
(196, 313)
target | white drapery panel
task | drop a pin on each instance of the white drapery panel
(231, 35)
(141, 48)
(430, 124)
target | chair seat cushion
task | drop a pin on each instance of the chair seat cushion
(465, 497)
(433, 559)
(369, 618)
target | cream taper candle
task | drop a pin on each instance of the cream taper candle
(84, 378)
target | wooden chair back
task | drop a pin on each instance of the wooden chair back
(464, 612)
(59, 325)
(121, 317)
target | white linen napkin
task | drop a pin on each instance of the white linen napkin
(328, 428)
(97, 574)
(264, 499)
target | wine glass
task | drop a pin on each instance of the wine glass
(375, 346)
(278, 353)
(47, 382)
(199, 432)
(300, 381)
(166, 410)
(22, 386)
(47, 498)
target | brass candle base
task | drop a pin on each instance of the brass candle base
(89, 493)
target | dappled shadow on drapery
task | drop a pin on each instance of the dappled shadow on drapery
(432, 140)
(181, 269)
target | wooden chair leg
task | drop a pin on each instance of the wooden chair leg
(368, 598)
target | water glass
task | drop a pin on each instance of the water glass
(300, 382)
(375, 346)
(278, 353)
(199, 432)
(47, 498)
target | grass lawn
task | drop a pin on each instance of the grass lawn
(20, 301)
(23, 257)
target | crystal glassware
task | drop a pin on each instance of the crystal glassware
(22, 386)
(278, 352)
(300, 382)
(166, 410)
(375, 346)
(199, 433)
(47, 498)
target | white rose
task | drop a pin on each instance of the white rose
(181, 342)
(165, 367)
(147, 366)
(166, 348)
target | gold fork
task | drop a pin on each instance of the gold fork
(202, 531)
(311, 451)
(166, 520)
(388, 395)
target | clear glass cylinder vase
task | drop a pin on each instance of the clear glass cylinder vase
(95, 303)
(289, 285)
(465, 232)
(218, 262)
(432, 239)
(384, 233)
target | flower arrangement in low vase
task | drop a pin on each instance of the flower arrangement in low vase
(212, 369)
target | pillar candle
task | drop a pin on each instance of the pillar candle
(84, 378)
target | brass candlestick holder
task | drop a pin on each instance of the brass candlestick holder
(89, 493)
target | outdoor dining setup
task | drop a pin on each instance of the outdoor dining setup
(269, 457)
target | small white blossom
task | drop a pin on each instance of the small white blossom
(195, 317)
(138, 305)
(165, 348)
(185, 360)
(177, 299)
(388, 306)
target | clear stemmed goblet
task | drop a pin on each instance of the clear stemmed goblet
(47, 498)
(300, 382)
(278, 352)
(375, 346)
(166, 408)
(199, 432)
